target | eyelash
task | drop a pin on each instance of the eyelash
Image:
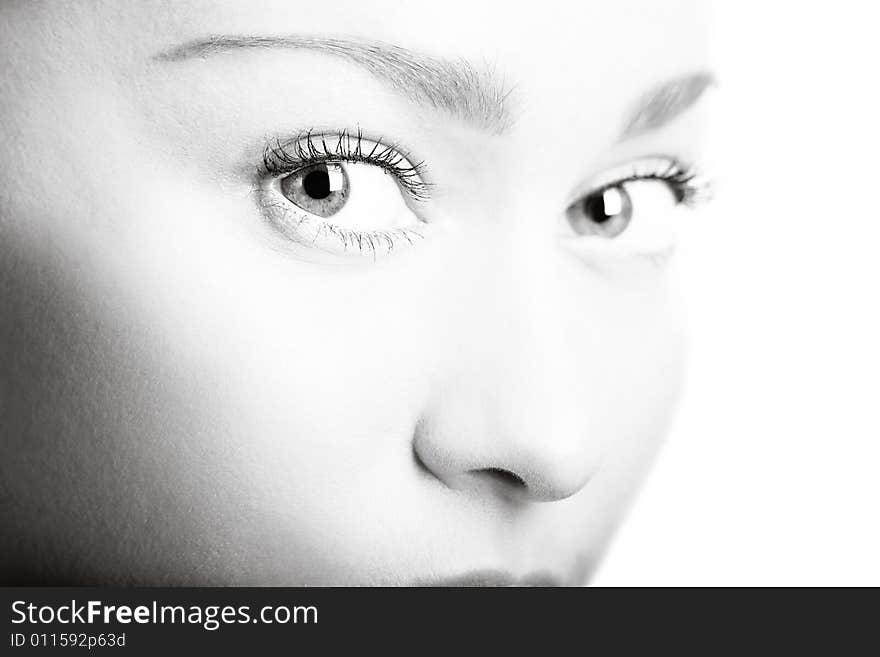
(312, 147)
(686, 182)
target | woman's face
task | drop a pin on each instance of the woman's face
(285, 304)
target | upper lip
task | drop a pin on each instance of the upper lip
(494, 578)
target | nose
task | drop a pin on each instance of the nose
(528, 463)
(511, 416)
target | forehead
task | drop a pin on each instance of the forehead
(470, 25)
(526, 41)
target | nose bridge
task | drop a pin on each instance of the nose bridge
(526, 344)
(514, 293)
(529, 378)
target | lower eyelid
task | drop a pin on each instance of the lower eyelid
(314, 232)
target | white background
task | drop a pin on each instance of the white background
(772, 473)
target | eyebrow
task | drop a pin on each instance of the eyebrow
(475, 96)
(665, 102)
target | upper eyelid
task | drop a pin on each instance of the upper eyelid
(646, 167)
(653, 164)
(411, 172)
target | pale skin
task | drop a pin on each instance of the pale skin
(193, 392)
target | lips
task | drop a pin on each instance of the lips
(493, 578)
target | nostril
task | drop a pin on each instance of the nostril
(505, 476)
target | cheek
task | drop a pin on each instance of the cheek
(627, 337)
(109, 446)
(630, 350)
(308, 383)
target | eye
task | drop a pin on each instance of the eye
(352, 205)
(635, 206)
(344, 194)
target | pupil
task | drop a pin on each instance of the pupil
(317, 183)
(595, 208)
